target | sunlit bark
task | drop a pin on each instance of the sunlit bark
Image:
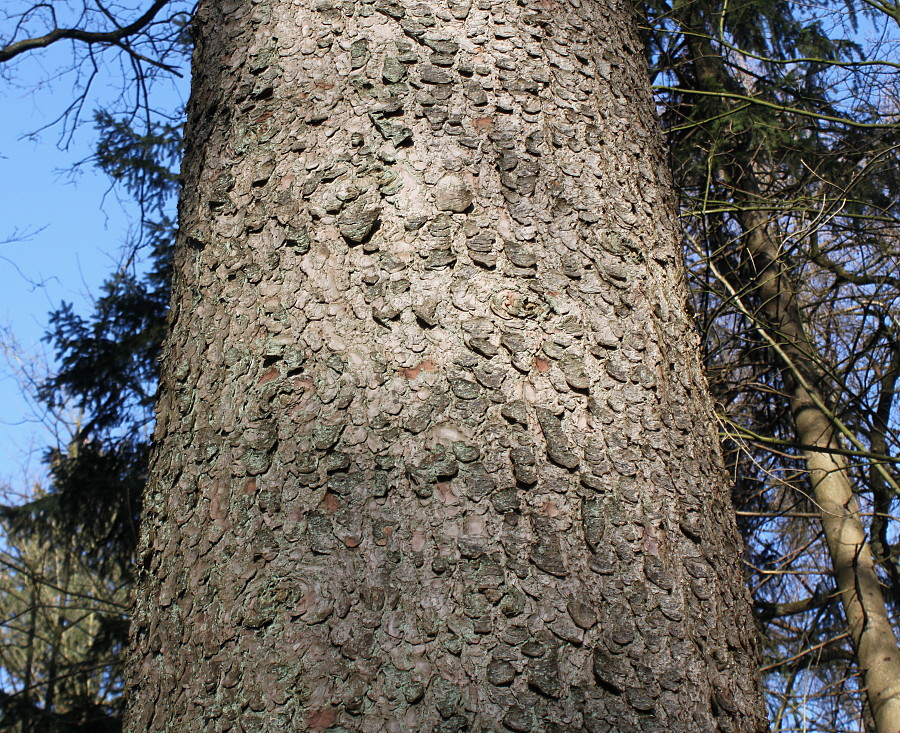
(434, 450)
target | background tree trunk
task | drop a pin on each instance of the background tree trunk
(766, 279)
(829, 475)
(434, 450)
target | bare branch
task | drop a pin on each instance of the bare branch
(78, 34)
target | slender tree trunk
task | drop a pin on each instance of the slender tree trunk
(851, 557)
(779, 316)
(57, 633)
(27, 692)
(434, 450)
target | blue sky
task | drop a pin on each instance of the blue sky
(61, 234)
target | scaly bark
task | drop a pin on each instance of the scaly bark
(434, 451)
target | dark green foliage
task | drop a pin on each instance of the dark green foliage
(95, 493)
(145, 163)
(108, 360)
(21, 717)
(107, 366)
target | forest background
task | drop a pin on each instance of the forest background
(782, 124)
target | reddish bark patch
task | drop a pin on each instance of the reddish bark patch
(250, 486)
(483, 123)
(271, 374)
(445, 492)
(330, 503)
(426, 365)
(321, 719)
(352, 541)
(387, 532)
(217, 508)
(303, 383)
(541, 364)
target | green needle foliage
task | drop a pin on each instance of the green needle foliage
(68, 573)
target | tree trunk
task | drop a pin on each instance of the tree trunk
(851, 557)
(779, 318)
(434, 449)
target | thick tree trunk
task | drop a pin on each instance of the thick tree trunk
(434, 450)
